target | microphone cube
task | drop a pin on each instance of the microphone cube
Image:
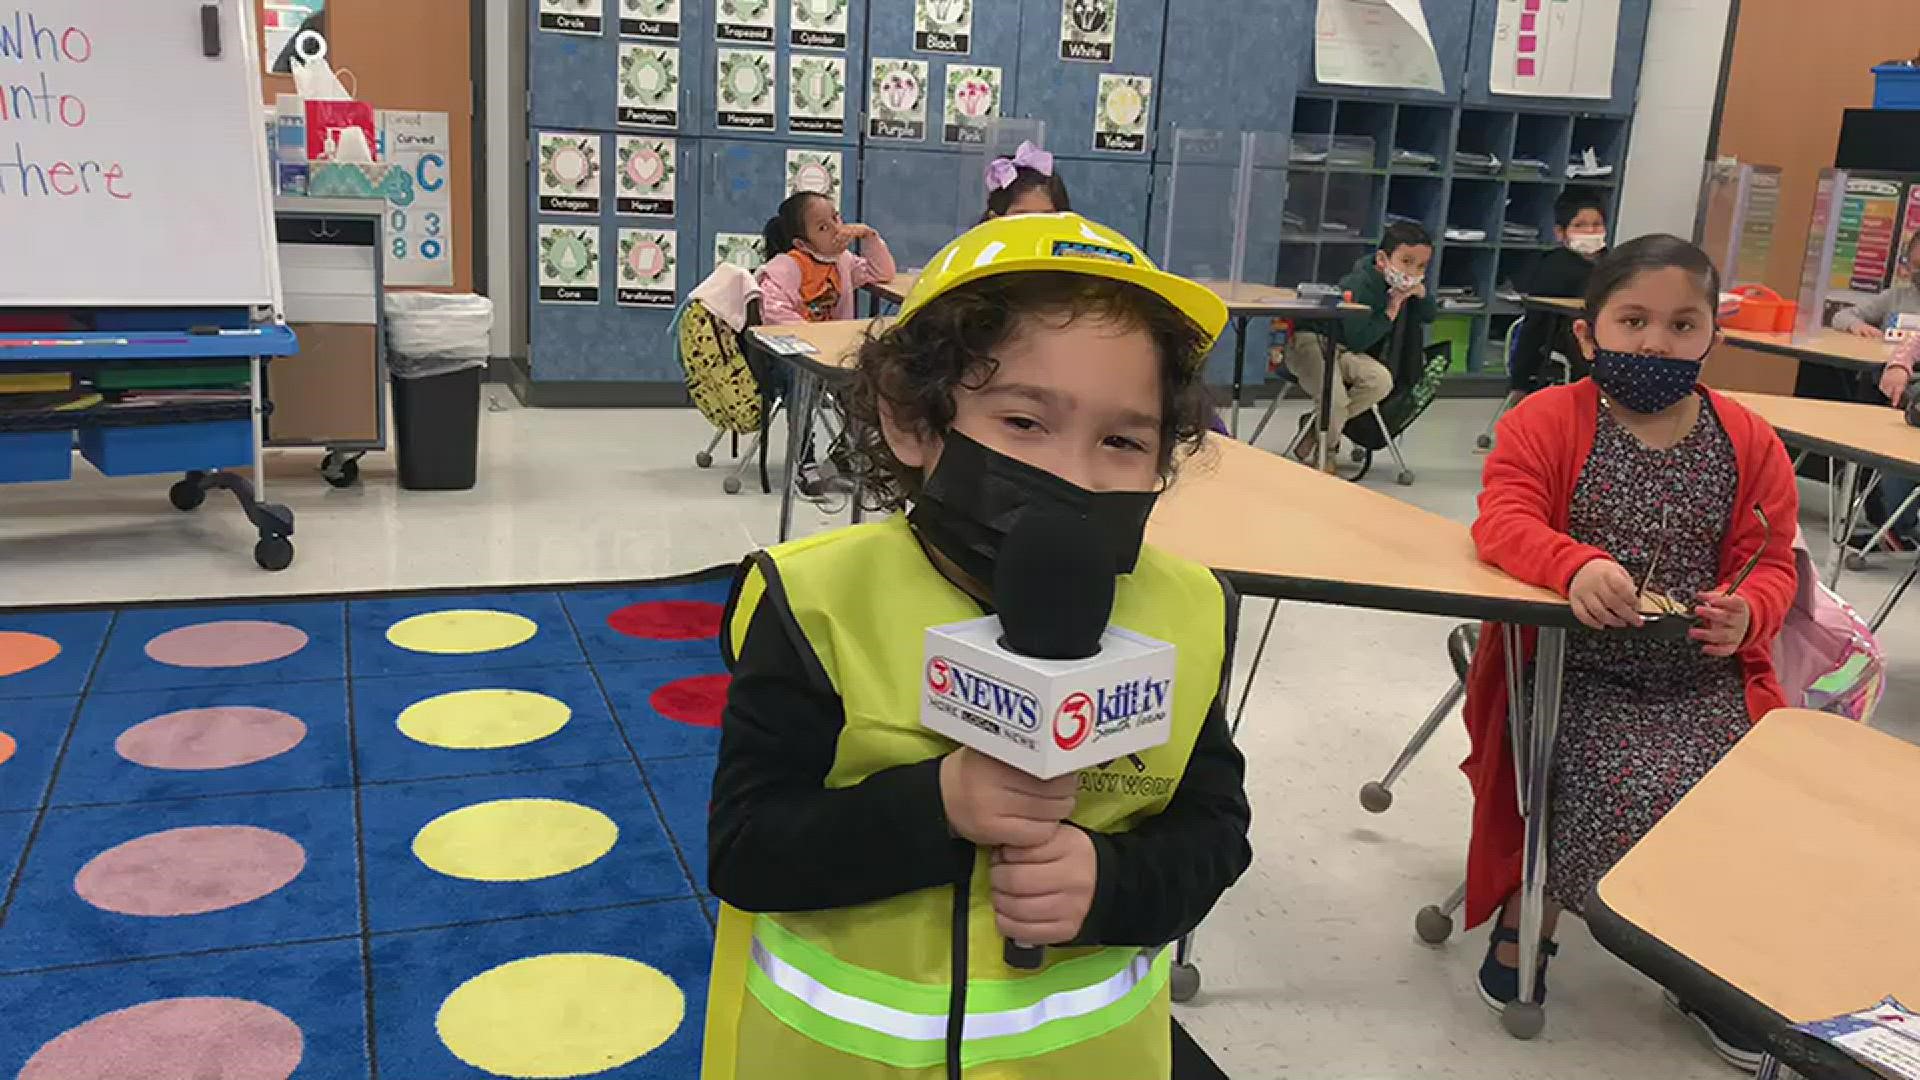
(1047, 718)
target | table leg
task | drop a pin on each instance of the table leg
(259, 430)
(859, 477)
(1239, 374)
(1523, 1019)
(1246, 687)
(1893, 598)
(1769, 1068)
(800, 393)
(1328, 373)
(1843, 530)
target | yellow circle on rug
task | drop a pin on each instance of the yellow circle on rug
(560, 1015)
(515, 840)
(483, 719)
(462, 631)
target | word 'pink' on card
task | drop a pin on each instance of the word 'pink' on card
(1527, 42)
(1525, 69)
(1527, 22)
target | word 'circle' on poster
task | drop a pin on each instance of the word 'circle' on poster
(818, 171)
(1086, 30)
(899, 100)
(1122, 112)
(420, 217)
(644, 176)
(817, 24)
(744, 250)
(569, 173)
(745, 21)
(650, 20)
(569, 264)
(973, 98)
(648, 269)
(743, 89)
(943, 26)
(572, 16)
(817, 95)
(649, 90)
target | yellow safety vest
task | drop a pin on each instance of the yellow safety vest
(862, 993)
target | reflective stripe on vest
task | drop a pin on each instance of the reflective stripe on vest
(904, 1023)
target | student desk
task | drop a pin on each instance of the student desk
(1781, 889)
(1281, 530)
(1245, 302)
(1876, 436)
(838, 343)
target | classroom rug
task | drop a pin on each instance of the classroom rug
(423, 836)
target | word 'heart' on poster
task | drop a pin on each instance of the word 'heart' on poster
(644, 171)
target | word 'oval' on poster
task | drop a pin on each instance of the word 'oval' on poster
(650, 20)
(573, 16)
(569, 264)
(817, 95)
(817, 24)
(644, 175)
(943, 26)
(569, 181)
(648, 93)
(1122, 113)
(745, 22)
(1086, 30)
(899, 100)
(648, 269)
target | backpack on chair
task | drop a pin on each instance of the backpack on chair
(722, 384)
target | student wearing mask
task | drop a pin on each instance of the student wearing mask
(1580, 225)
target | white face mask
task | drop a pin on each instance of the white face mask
(1399, 280)
(1587, 243)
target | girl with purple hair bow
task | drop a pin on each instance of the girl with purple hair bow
(1025, 184)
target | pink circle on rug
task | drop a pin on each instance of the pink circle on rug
(190, 871)
(224, 737)
(175, 1039)
(228, 643)
(697, 701)
(669, 620)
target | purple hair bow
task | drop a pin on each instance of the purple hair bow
(1001, 172)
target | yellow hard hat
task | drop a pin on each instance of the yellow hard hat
(1062, 243)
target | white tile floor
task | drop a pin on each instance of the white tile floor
(1310, 964)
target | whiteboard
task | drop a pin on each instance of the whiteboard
(133, 168)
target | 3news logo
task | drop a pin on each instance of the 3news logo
(981, 696)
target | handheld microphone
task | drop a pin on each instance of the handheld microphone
(1047, 686)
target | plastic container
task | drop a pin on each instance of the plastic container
(168, 448)
(1896, 86)
(437, 419)
(1762, 311)
(27, 456)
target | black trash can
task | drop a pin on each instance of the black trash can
(437, 418)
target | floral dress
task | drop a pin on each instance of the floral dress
(1642, 719)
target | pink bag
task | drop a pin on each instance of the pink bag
(1826, 657)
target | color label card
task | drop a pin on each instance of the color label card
(943, 26)
(1086, 30)
(899, 96)
(1122, 113)
(973, 99)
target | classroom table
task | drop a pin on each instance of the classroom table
(1875, 436)
(1781, 889)
(1284, 531)
(836, 344)
(1245, 302)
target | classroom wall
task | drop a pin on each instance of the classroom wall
(1793, 71)
(411, 54)
(1679, 81)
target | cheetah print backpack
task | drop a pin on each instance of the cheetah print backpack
(723, 387)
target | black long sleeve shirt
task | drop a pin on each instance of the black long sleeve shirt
(1562, 272)
(780, 840)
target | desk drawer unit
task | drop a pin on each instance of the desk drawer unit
(330, 394)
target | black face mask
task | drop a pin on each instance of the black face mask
(970, 503)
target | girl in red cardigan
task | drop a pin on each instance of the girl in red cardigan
(1634, 480)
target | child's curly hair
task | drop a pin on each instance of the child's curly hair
(913, 369)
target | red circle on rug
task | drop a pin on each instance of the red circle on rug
(21, 651)
(222, 737)
(190, 871)
(695, 701)
(669, 620)
(227, 643)
(7, 747)
(175, 1039)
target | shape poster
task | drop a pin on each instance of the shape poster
(649, 91)
(643, 178)
(817, 24)
(572, 16)
(899, 100)
(973, 98)
(420, 219)
(1384, 43)
(1555, 48)
(743, 89)
(943, 26)
(569, 173)
(744, 250)
(569, 264)
(1086, 30)
(646, 275)
(815, 170)
(817, 95)
(1122, 113)
(746, 21)
(650, 20)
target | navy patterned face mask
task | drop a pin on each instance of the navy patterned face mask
(1643, 383)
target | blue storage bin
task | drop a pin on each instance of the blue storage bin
(168, 448)
(26, 456)
(1896, 86)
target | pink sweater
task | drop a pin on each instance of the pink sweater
(780, 282)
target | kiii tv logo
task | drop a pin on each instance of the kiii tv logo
(1109, 710)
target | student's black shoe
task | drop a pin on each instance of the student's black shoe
(1734, 1048)
(1499, 984)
